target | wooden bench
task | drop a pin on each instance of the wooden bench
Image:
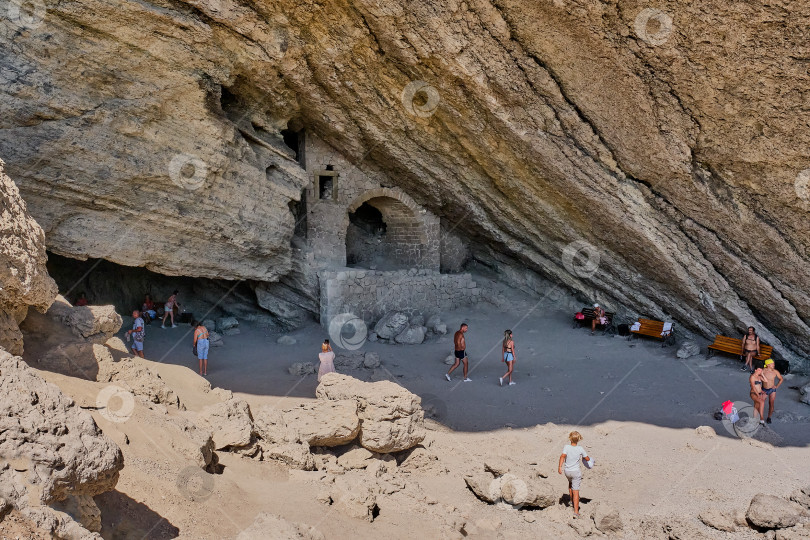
(651, 328)
(733, 346)
(590, 314)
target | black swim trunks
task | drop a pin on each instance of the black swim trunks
(461, 354)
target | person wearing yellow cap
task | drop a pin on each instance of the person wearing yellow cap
(769, 385)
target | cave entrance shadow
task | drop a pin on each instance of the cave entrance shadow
(122, 517)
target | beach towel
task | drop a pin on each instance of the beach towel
(667, 329)
(636, 327)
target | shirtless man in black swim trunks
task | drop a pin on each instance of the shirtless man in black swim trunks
(750, 347)
(461, 352)
(769, 385)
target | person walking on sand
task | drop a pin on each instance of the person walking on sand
(750, 348)
(769, 386)
(460, 353)
(570, 458)
(327, 358)
(137, 333)
(201, 345)
(755, 380)
(508, 355)
(169, 307)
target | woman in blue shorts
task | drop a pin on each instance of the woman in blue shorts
(508, 355)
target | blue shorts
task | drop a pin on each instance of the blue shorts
(508, 357)
(202, 349)
(137, 345)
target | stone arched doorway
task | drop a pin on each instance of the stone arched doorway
(386, 231)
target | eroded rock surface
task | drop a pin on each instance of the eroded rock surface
(391, 417)
(545, 114)
(24, 280)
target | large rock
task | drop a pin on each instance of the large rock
(324, 423)
(93, 323)
(230, 422)
(294, 455)
(272, 527)
(391, 325)
(771, 512)
(50, 448)
(24, 280)
(801, 496)
(413, 335)
(391, 417)
(717, 519)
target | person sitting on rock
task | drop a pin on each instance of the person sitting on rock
(148, 309)
(137, 333)
(327, 358)
(170, 303)
(598, 317)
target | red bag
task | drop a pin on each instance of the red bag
(579, 316)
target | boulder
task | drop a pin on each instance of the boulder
(417, 320)
(24, 279)
(805, 394)
(215, 339)
(432, 322)
(194, 443)
(413, 335)
(93, 323)
(607, 519)
(391, 325)
(440, 329)
(356, 457)
(268, 424)
(799, 532)
(481, 485)
(688, 349)
(271, 527)
(210, 325)
(230, 422)
(286, 340)
(717, 519)
(224, 323)
(45, 437)
(391, 417)
(133, 375)
(294, 455)
(83, 509)
(771, 512)
(300, 369)
(371, 360)
(324, 423)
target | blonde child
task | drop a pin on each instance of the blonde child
(570, 458)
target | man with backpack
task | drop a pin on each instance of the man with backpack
(137, 333)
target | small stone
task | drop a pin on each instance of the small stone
(705, 432)
(286, 340)
(302, 368)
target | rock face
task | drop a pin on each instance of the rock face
(24, 280)
(538, 115)
(51, 450)
(391, 417)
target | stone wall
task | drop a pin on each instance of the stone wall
(370, 295)
(412, 236)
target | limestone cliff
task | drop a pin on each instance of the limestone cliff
(666, 144)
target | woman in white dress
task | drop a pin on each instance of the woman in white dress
(327, 358)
